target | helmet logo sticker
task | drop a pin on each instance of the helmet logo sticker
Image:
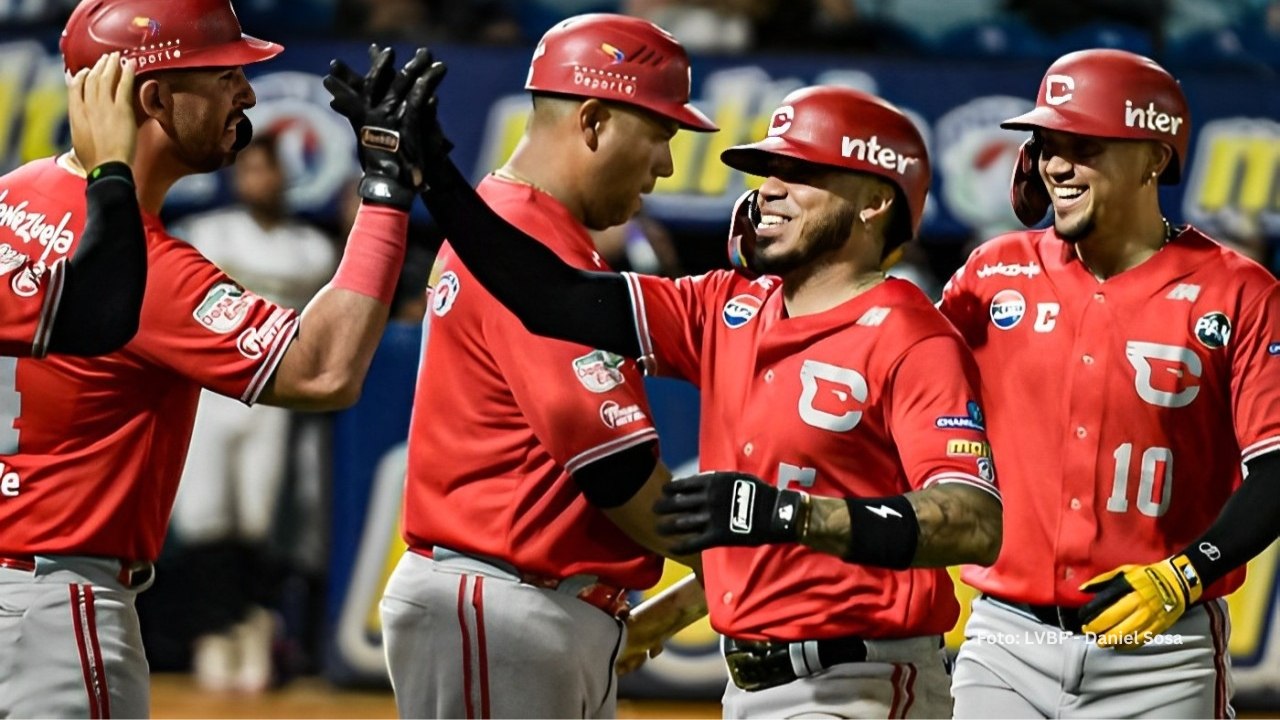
(1053, 83)
(613, 53)
(782, 118)
(605, 81)
(1149, 118)
(150, 28)
(871, 151)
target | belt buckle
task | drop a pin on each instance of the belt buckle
(757, 666)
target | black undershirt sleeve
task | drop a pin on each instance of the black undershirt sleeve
(1248, 523)
(550, 297)
(106, 277)
(614, 479)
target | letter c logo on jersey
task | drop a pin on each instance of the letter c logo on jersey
(829, 395)
(740, 309)
(1007, 309)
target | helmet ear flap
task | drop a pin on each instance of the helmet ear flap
(742, 233)
(1027, 193)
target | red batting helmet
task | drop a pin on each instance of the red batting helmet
(619, 58)
(849, 130)
(160, 35)
(1112, 94)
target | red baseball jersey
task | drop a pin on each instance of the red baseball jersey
(873, 398)
(502, 417)
(91, 449)
(1119, 410)
(35, 234)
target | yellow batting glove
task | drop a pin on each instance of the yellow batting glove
(1134, 603)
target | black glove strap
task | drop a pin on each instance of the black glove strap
(385, 191)
(790, 515)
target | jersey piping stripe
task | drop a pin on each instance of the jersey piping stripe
(466, 646)
(49, 310)
(273, 359)
(477, 602)
(953, 477)
(909, 689)
(648, 360)
(1218, 632)
(1261, 447)
(589, 456)
(86, 629)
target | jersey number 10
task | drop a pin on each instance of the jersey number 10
(1156, 462)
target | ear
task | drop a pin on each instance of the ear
(154, 99)
(878, 204)
(1160, 157)
(592, 116)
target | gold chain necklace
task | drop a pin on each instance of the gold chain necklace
(510, 175)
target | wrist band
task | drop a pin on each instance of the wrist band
(375, 253)
(114, 169)
(883, 532)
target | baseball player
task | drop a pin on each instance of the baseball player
(528, 511)
(839, 408)
(1129, 367)
(88, 304)
(93, 447)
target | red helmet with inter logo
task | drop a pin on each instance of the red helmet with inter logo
(850, 130)
(1112, 94)
(160, 35)
(618, 58)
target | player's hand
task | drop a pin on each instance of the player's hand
(374, 105)
(644, 640)
(714, 509)
(427, 148)
(1137, 602)
(100, 111)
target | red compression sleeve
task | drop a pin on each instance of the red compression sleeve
(375, 253)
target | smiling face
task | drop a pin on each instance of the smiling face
(633, 152)
(807, 214)
(202, 109)
(1092, 181)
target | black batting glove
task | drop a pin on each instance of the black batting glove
(715, 509)
(375, 107)
(426, 146)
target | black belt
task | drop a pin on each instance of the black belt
(758, 665)
(1064, 618)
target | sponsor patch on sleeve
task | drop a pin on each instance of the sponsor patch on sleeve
(971, 420)
(959, 447)
(224, 308)
(599, 371)
(615, 416)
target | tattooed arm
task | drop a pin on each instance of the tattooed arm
(957, 524)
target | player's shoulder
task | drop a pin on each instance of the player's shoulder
(48, 177)
(1215, 259)
(1009, 255)
(902, 307)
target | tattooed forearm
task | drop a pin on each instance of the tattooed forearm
(828, 529)
(958, 525)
